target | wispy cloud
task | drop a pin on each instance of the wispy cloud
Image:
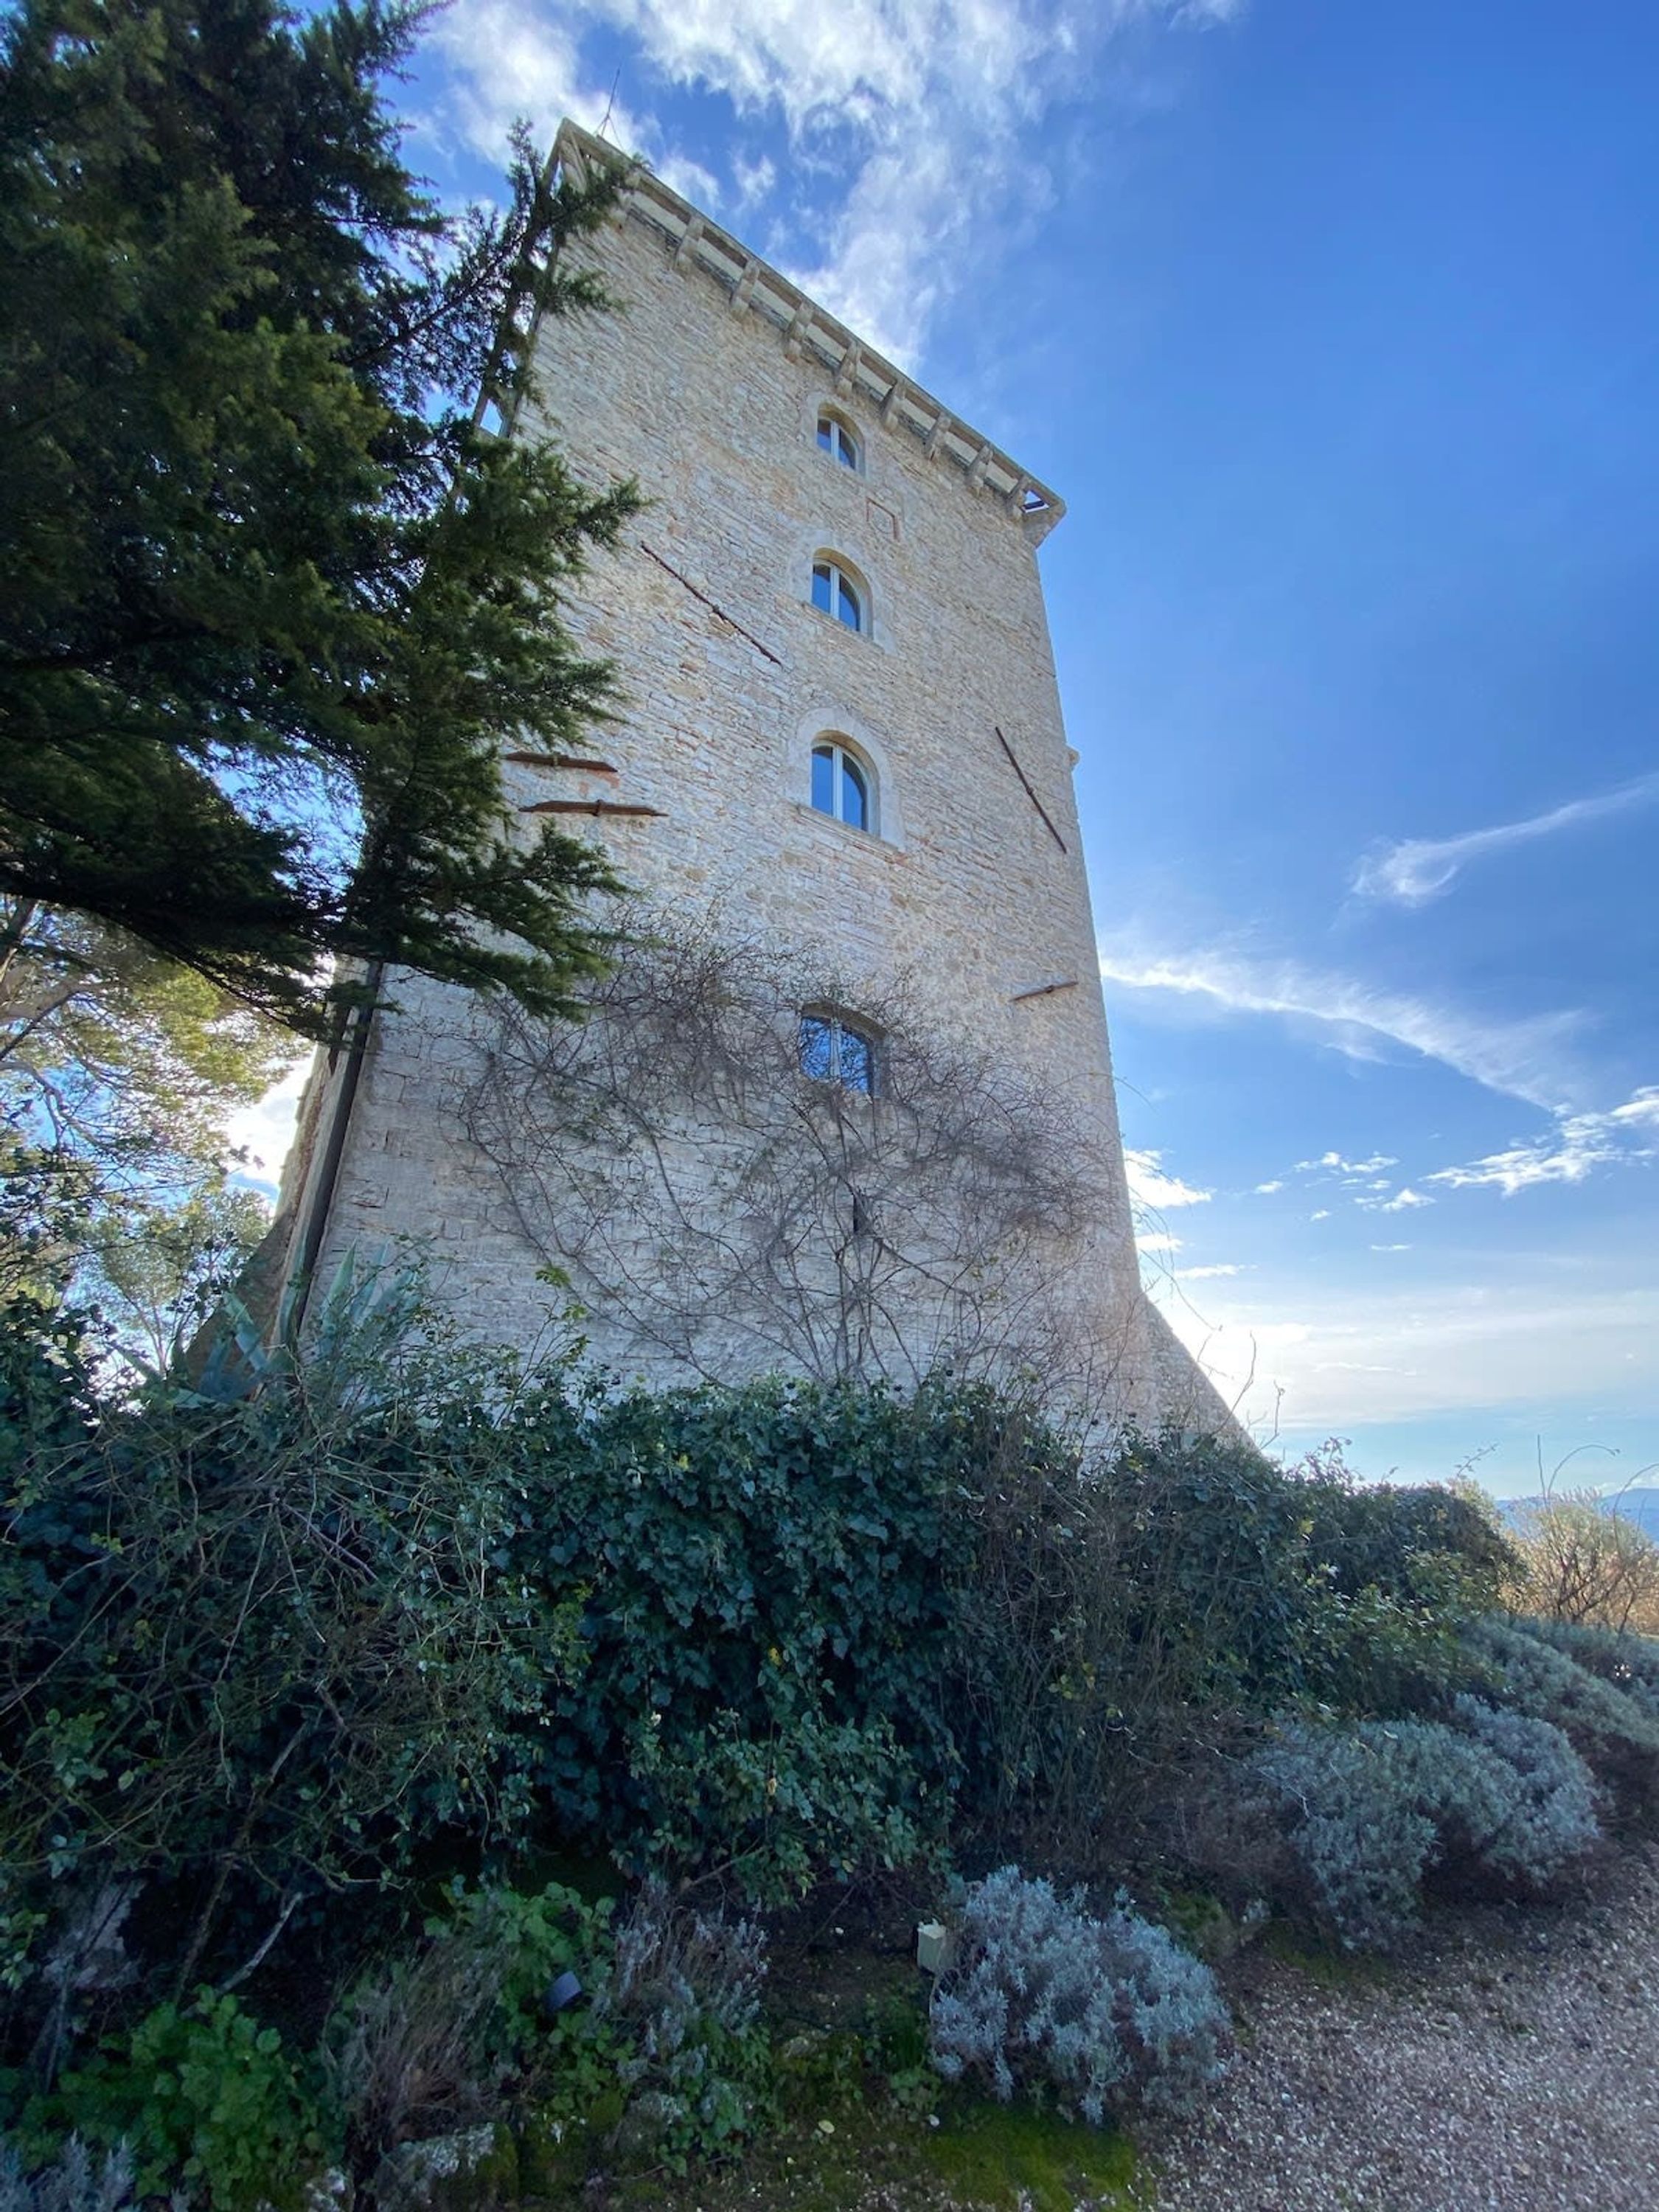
(1365, 1353)
(264, 1131)
(1403, 1201)
(1152, 1186)
(1418, 869)
(1569, 1153)
(1349, 1170)
(1212, 1272)
(1525, 1059)
(922, 123)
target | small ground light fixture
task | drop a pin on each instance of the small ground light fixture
(935, 1947)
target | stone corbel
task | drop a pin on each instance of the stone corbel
(800, 322)
(743, 291)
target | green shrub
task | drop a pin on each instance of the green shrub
(259, 1648)
(1099, 2014)
(1122, 1615)
(204, 2098)
(433, 2039)
(767, 1620)
(682, 2002)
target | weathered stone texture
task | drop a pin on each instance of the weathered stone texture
(964, 888)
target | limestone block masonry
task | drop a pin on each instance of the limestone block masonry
(966, 890)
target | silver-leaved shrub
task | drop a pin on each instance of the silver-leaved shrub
(1548, 1810)
(1096, 2014)
(1367, 1810)
(74, 2182)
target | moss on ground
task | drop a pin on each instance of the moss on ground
(968, 2153)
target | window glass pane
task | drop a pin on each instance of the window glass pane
(856, 1063)
(818, 1048)
(845, 451)
(823, 779)
(854, 800)
(847, 603)
(826, 434)
(822, 587)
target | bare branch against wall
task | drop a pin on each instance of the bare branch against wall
(671, 1159)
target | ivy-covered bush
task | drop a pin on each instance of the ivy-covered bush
(1098, 2015)
(1367, 1811)
(765, 1576)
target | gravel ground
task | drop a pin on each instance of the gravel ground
(1511, 2061)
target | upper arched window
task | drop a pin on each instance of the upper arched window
(839, 441)
(834, 593)
(841, 784)
(833, 1050)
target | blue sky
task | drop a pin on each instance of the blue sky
(1338, 329)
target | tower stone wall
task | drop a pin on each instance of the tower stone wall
(965, 903)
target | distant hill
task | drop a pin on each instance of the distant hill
(1641, 1506)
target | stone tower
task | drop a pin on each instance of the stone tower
(846, 1105)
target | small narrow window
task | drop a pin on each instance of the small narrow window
(840, 785)
(833, 1050)
(834, 593)
(838, 441)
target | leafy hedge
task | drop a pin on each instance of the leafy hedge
(765, 1577)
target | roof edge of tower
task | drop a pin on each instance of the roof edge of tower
(757, 288)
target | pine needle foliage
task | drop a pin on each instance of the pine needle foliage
(271, 599)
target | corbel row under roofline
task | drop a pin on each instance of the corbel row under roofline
(755, 288)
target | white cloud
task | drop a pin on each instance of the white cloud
(1152, 1187)
(691, 181)
(1523, 1058)
(1364, 1354)
(1267, 1189)
(266, 1128)
(1356, 1170)
(1569, 1153)
(1322, 1214)
(1207, 1274)
(1391, 1247)
(1418, 869)
(754, 180)
(1156, 1243)
(1403, 1201)
(926, 116)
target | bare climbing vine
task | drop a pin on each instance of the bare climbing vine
(669, 1157)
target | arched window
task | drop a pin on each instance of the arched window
(842, 785)
(834, 593)
(833, 1050)
(839, 441)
